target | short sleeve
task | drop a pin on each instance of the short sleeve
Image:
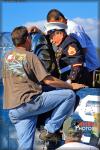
(38, 68)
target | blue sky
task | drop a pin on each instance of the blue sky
(25, 13)
(22, 13)
(17, 13)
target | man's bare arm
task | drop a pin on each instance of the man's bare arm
(54, 82)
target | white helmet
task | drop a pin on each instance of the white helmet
(54, 26)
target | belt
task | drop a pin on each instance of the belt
(67, 68)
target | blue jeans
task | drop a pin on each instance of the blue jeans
(25, 117)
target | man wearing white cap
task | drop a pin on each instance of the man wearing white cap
(69, 53)
(77, 31)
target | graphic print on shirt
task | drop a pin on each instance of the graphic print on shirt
(14, 63)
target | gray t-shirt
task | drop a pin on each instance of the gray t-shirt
(22, 74)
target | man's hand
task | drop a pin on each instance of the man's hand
(77, 86)
(33, 29)
(54, 82)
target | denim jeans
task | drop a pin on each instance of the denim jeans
(25, 117)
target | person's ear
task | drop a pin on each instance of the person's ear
(61, 19)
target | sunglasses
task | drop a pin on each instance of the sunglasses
(54, 31)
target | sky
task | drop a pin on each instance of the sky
(84, 13)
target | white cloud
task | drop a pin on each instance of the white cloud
(39, 24)
(91, 26)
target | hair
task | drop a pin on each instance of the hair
(55, 14)
(74, 135)
(19, 35)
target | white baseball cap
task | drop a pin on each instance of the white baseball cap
(54, 26)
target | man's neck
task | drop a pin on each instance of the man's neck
(72, 140)
(22, 48)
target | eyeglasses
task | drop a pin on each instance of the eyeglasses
(56, 31)
(51, 31)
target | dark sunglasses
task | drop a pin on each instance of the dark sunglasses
(54, 30)
(51, 31)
